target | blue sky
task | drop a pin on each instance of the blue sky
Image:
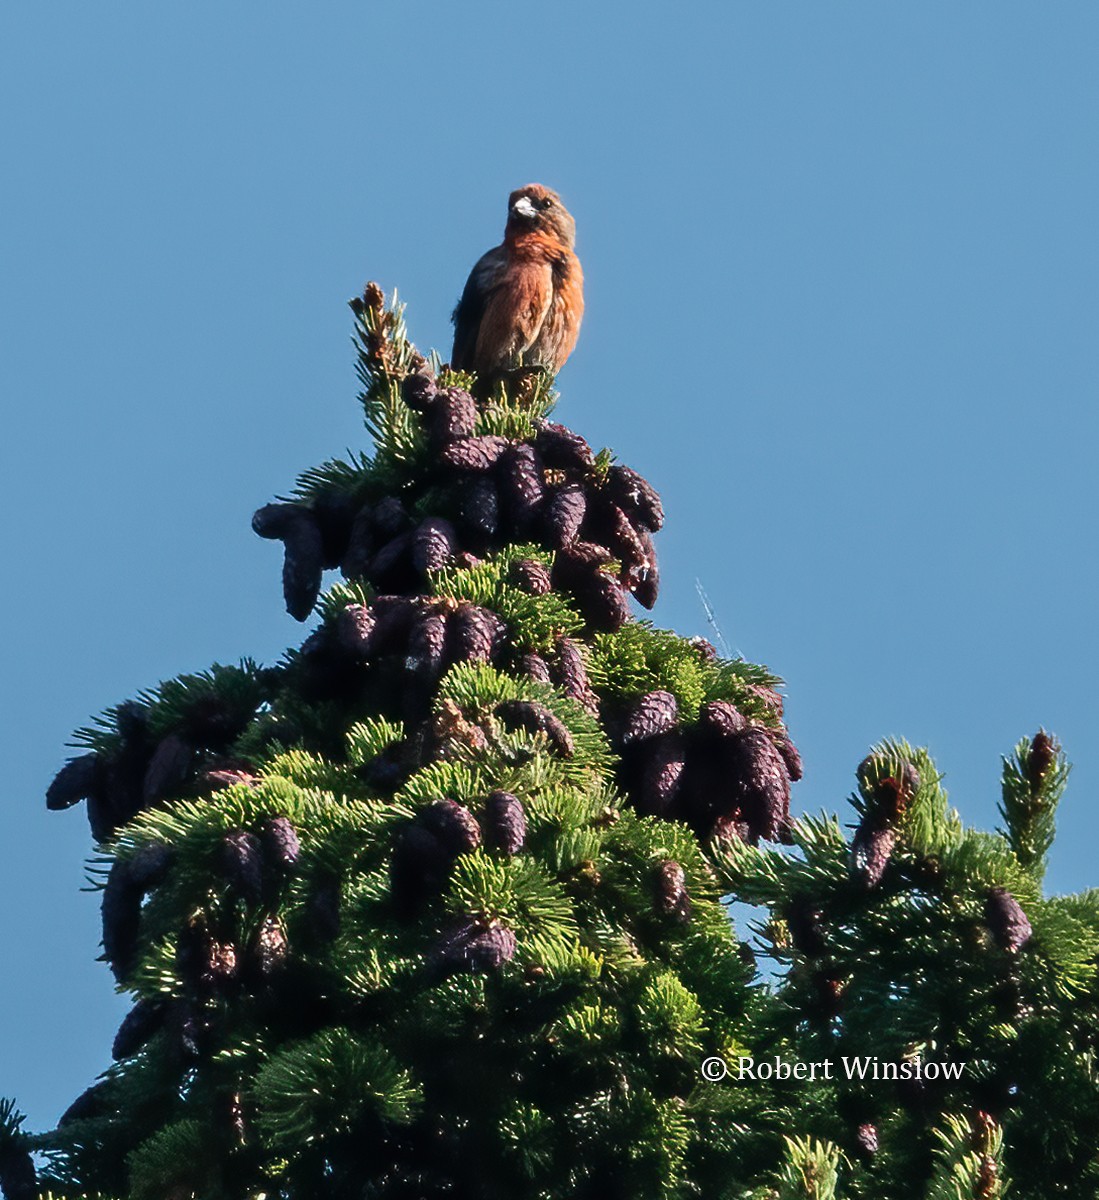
(841, 275)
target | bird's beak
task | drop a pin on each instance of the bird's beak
(524, 208)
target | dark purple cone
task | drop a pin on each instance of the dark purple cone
(475, 634)
(168, 769)
(355, 630)
(419, 390)
(665, 758)
(472, 947)
(138, 1026)
(602, 603)
(806, 930)
(453, 824)
(789, 752)
(720, 718)
(656, 712)
(453, 415)
(1006, 920)
(390, 518)
(505, 822)
(121, 919)
(433, 544)
(76, 781)
(561, 448)
(572, 674)
(628, 546)
(672, 897)
(300, 534)
(730, 825)
(324, 909)
(388, 771)
(392, 569)
(380, 629)
(764, 783)
(18, 1179)
(242, 863)
(866, 1139)
(419, 868)
(281, 846)
(1042, 755)
(531, 576)
(521, 486)
(642, 575)
(770, 699)
(149, 866)
(871, 849)
(204, 963)
(102, 818)
(480, 507)
(534, 666)
(270, 948)
(636, 496)
(474, 453)
(427, 641)
(361, 544)
(564, 514)
(576, 561)
(536, 718)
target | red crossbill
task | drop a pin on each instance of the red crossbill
(523, 301)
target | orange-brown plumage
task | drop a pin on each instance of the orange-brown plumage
(524, 299)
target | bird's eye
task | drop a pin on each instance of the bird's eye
(546, 203)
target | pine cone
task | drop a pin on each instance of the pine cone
(392, 568)
(602, 603)
(453, 824)
(475, 634)
(635, 496)
(419, 390)
(474, 453)
(218, 778)
(168, 769)
(433, 544)
(672, 897)
(521, 486)
(720, 718)
(642, 575)
(534, 666)
(480, 507)
(866, 1139)
(561, 448)
(536, 718)
(473, 947)
(427, 643)
(334, 515)
(789, 752)
(665, 757)
(505, 822)
(324, 909)
(390, 518)
(871, 849)
(453, 415)
(1041, 756)
(138, 1026)
(281, 846)
(87, 1106)
(764, 783)
(121, 919)
(1006, 920)
(655, 713)
(770, 699)
(531, 576)
(564, 514)
(77, 780)
(572, 674)
(300, 534)
(242, 863)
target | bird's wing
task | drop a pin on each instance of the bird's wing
(483, 279)
(514, 312)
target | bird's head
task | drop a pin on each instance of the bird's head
(536, 208)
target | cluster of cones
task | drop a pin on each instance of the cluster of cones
(724, 775)
(598, 518)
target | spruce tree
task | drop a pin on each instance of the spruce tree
(436, 905)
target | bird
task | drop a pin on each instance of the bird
(524, 299)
